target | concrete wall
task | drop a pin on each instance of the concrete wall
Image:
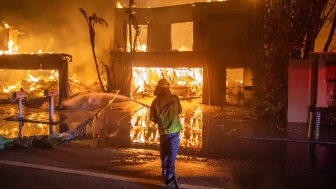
(321, 100)
(298, 91)
(217, 64)
(226, 41)
(226, 24)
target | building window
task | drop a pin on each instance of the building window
(182, 36)
(184, 82)
(234, 86)
(141, 40)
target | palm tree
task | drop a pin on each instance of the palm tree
(91, 21)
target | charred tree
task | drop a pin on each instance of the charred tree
(331, 34)
(319, 12)
(132, 23)
(91, 21)
(286, 34)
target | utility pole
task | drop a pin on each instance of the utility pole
(130, 12)
(254, 12)
(130, 9)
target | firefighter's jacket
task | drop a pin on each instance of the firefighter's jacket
(164, 111)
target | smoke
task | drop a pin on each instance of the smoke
(62, 21)
(156, 3)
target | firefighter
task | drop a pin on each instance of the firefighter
(164, 111)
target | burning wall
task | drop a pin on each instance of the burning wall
(62, 21)
(34, 84)
(226, 26)
(225, 43)
(185, 82)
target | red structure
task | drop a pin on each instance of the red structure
(311, 87)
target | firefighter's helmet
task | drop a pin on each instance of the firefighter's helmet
(163, 83)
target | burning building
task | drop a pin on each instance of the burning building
(203, 49)
(8, 39)
(10, 59)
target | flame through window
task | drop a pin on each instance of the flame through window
(185, 82)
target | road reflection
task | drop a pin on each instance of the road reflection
(14, 129)
(145, 131)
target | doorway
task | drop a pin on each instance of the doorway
(235, 86)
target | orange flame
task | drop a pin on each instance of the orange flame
(118, 5)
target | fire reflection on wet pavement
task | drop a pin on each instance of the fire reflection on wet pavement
(145, 131)
(14, 129)
(208, 132)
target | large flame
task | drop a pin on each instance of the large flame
(13, 48)
(5, 24)
(186, 80)
(10, 44)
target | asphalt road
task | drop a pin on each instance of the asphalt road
(76, 167)
(69, 166)
(13, 177)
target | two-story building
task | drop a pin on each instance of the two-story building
(201, 48)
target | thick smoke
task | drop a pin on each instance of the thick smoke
(62, 21)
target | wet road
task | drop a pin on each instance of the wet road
(208, 132)
(123, 142)
(12, 177)
(132, 165)
(144, 164)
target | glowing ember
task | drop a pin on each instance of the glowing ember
(5, 24)
(32, 78)
(9, 88)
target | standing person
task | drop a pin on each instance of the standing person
(164, 111)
